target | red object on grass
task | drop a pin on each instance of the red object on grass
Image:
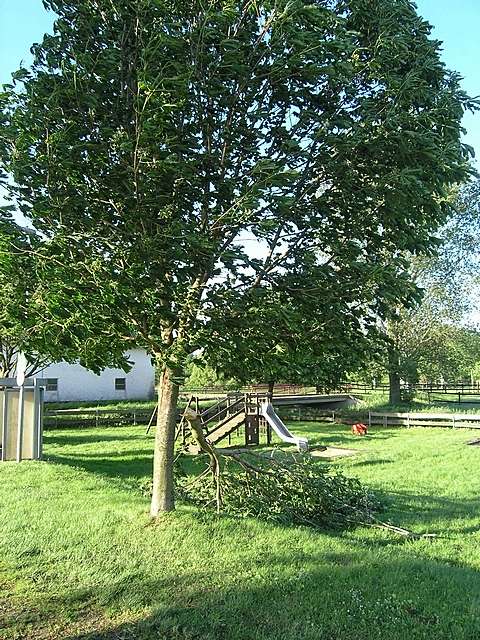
(359, 429)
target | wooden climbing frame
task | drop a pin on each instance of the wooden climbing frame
(218, 418)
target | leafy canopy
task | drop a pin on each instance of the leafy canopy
(18, 282)
(151, 139)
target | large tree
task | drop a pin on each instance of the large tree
(152, 139)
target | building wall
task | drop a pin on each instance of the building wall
(75, 383)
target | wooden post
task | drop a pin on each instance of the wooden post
(150, 422)
(21, 402)
(5, 424)
(247, 417)
(40, 423)
(36, 419)
(251, 420)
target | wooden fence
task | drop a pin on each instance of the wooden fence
(454, 420)
(60, 418)
(219, 392)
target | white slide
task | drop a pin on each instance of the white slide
(280, 429)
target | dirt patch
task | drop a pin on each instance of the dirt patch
(317, 452)
(333, 452)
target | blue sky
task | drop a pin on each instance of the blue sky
(457, 24)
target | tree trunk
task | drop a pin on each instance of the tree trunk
(395, 394)
(162, 490)
(394, 376)
(271, 386)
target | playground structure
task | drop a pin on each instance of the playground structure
(21, 419)
(254, 412)
(280, 429)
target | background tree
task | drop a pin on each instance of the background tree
(422, 338)
(150, 136)
(453, 358)
(200, 375)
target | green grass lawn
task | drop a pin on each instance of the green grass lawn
(81, 560)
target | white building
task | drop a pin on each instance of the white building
(72, 382)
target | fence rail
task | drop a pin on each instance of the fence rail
(279, 389)
(454, 420)
(95, 417)
(288, 389)
(61, 418)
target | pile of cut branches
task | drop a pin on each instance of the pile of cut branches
(282, 488)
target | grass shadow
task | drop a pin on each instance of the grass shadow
(371, 463)
(437, 514)
(333, 596)
(50, 437)
(132, 465)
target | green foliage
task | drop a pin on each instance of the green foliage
(18, 288)
(475, 371)
(200, 376)
(293, 491)
(432, 339)
(453, 356)
(148, 137)
(311, 333)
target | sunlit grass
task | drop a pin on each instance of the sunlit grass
(81, 559)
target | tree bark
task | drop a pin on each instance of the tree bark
(162, 489)
(394, 376)
(197, 430)
(271, 385)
